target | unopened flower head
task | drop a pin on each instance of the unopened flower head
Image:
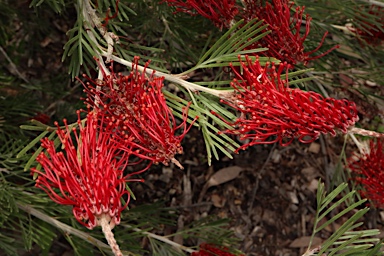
(213, 250)
(273, 112)
(221, 13)
(368, 170)
(88, 173)
(136, 103)
(285, 41)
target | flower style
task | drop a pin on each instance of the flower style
(211, 250)
(88, 173)
(369, 171)
(221, 13)
(270, 109)
(285, 42)
(137, 103)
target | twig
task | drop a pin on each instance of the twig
(362, 149)
(172, 78)
(373, 2)
(90, 16)
(13, 66)
(64, 227)
(360, 131)
(162, 238)
(324, 151)
(256, 186)
(4, 170)
(315, 80)
(103, 221)
(312, 252)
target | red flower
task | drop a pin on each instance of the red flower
(372, 33)
(270, 109)
(220, 12)
(369, 171)
(88, 173)
(285, 42)
(138, 106)
(42, 118)
(211, 250)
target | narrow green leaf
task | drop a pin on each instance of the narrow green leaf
(220, 42)
(31, 144)
(33, 157)
(340, 214)
(32, 128)
(344, 228)
(328, 199)
(336, 204)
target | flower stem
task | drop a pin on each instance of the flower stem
(163, 239)
(373, 2)
(172, 78)
(68, 230)
(360, 131)
(104, 222)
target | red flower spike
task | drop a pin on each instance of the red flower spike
(270, 109)
(221, 13)
(372, 33)
(86, 174)
(211, 250)
(369, 172)
(137, 105)
(285, 41)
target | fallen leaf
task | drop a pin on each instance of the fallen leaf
(313, 185)
(218, 201)
(293, 197)
(224, 175)
(310, 173)
(303, 241)
(314, 147)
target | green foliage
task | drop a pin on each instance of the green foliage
(208, 123)
(340, 18)
(162, 249)
(347, 239)
(180, 36)
(55, 5)
(79, 47)
(7, 202)
(6, 12)
(232, 44)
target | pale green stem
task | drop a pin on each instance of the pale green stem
(162, 238)
(358, 144)
(104, 222)
(68, 230)
(373, 2)
(172, 78)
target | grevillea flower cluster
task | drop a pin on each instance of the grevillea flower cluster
(272, 112)
(88, 173)
(285, 42)
(137, 105)
(368, 170)
(211, 250)
(372, 33)
(221, 13)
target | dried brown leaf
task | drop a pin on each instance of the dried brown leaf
(303, 241)
(224, 175)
